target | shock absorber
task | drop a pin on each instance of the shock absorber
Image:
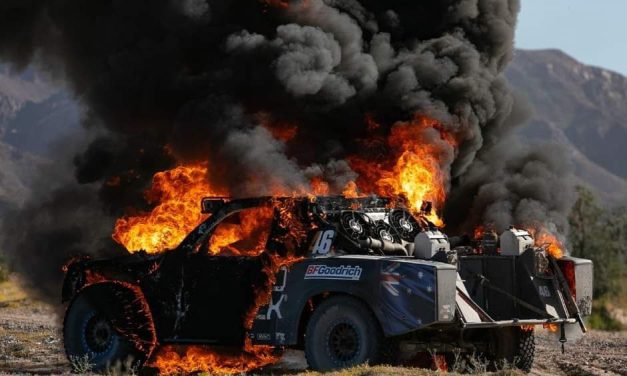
(562, 335)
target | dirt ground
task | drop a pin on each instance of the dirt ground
(31, 343)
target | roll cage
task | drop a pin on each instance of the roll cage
(222, 208)
(316, 208)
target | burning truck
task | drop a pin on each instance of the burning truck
(348, 279)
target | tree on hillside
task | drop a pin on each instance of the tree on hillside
(599, 235)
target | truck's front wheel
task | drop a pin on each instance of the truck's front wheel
(341, 333)
(92, 342)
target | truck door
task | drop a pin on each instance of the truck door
(221, 278)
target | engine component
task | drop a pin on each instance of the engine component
(354, 224)
(514, 242)
(448, 257)
(384, 231)
(460, 241)
(405, 224)
(452, 257)
(428, 243)
(489, 242)
(387, 247)
(463, 250)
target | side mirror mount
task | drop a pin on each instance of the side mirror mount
(210, 205)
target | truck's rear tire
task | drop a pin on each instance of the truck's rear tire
(91, 341)
(341, 333)
(514, 346)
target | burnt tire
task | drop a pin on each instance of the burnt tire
(91, 340)
(514, 346)
(341, 333)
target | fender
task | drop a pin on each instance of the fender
(125, 306)
(74, 278)
(403, 294)
(83, 271)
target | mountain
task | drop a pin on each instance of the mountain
(33, 112)
(581, 107)
(17, 90)
(36, 124)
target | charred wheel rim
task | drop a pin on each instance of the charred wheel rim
(344, 342)
(98, 333)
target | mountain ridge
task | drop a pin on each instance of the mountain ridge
(587, 103)
(580, 107)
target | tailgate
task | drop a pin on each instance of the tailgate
(521, 290)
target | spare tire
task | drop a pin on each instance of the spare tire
(341, 333)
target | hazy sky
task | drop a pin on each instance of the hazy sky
(592, 31)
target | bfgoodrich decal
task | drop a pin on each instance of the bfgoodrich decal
(344, 272)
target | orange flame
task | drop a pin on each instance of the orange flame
(439, 363)
(416, 171)
(292, 238)
(178, 193)
(280, 130)
(319, 186)
(181, 360)
(350, 190)
(543, 237)
(246, 237)
(553, 328)
(478, 232)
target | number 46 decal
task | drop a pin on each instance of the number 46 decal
(322, 242)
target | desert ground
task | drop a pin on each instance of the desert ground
(31, 343)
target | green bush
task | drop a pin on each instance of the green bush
(601, 318)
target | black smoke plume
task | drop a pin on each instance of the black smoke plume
(168, 81)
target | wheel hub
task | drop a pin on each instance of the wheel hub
(98, 333)
(405, 225)
(344, 342)
(355, 226)
(385, 235)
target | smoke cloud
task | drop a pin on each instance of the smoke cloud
(181, 81)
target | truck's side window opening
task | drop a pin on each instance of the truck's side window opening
(244, 233)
